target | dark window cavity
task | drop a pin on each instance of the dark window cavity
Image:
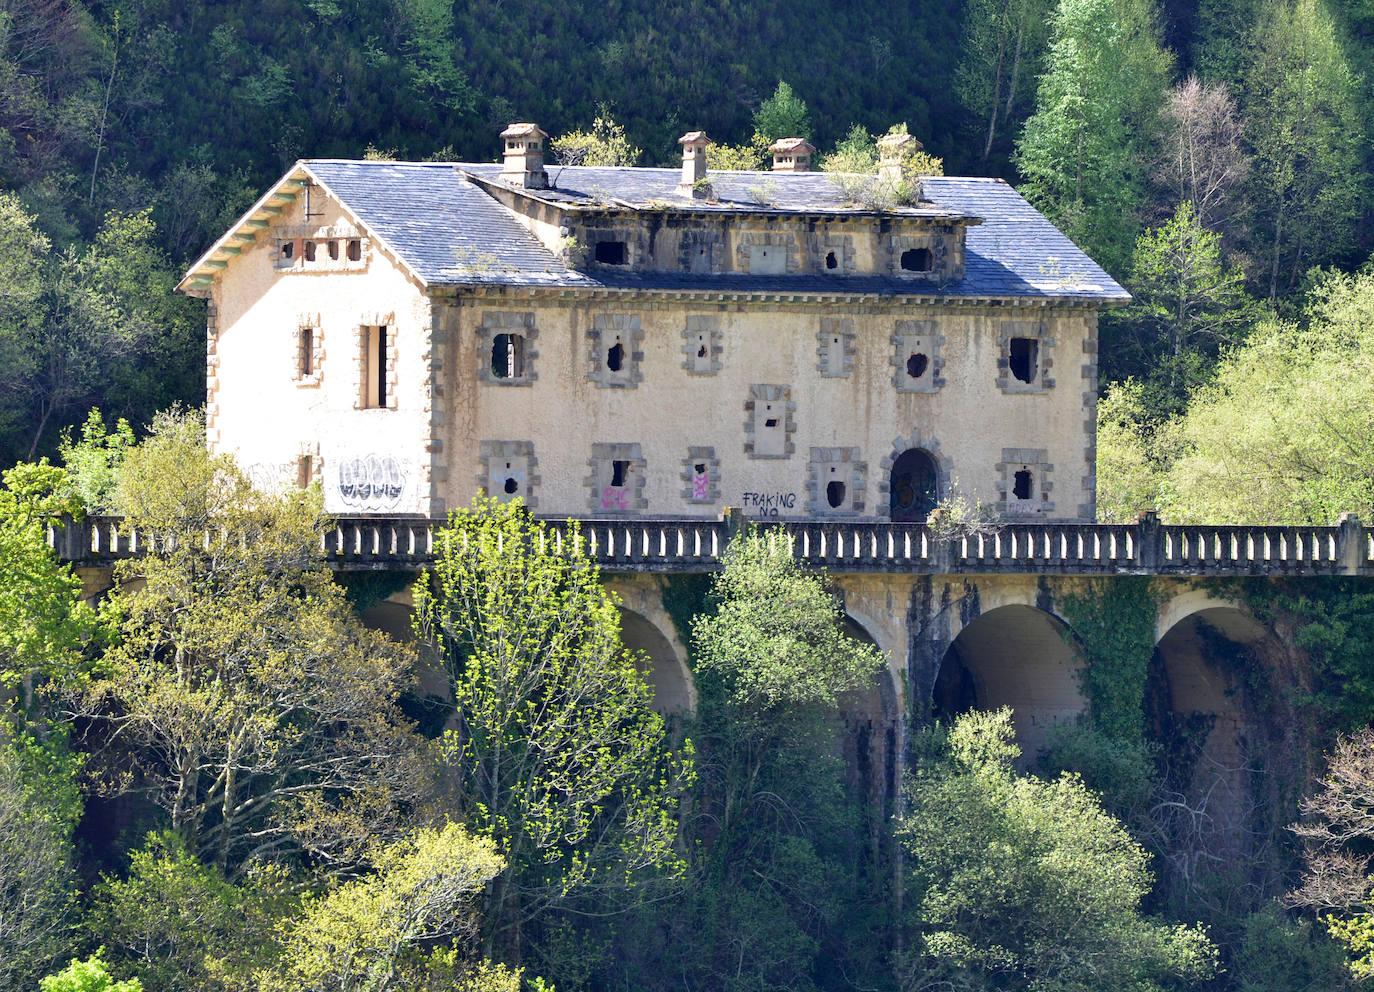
(305, 353)
(288, 249)
(831, 262)
(1021, 484)
(508, 356)
(511, 487)
(310, 251)
(834, 494)
(615, 358)
(1023, 358)
(620, 471)
(610, 252)
(916, 365)
(355, 250)
(918, 260)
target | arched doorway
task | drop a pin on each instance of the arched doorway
(1016, 656)
(915, 486)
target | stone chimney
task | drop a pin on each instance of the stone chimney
(524, 164)
(891, 148)
(792, 155)
(693, 162)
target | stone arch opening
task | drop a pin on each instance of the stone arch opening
(915, 486)
(1017, 656)
(870, 719)
(659, 664)
(1197, 720)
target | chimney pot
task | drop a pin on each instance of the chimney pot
(792, 155)
(693, 162)
(524, 161)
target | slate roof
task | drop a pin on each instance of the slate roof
(449, 231)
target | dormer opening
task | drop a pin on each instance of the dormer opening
(611, 252)
(918, 260)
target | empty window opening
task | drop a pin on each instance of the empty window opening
(699, 468)
(355, 250)
(1021, 485)
(914, 486)
(305, 352)
(615, 358)
(620, 471)
(508, 356)
(310, 251)
(303, 472)
(701, 351)
(334, 251)
(610, 252)
(918, 260)
(1023, 358)
(374, 368)
(771, 422)
(288, 249)
(831, 262)
(511, 487)
(916, 365)
(834, 493)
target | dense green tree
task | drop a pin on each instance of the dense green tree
(1303, 122)
(253, 705)
(557, 756)
(1001, 52)
(605, 144)
(1085, 152)
(89, 975)
(1015, 882)
(1283, 432)
(782, 115)
(412, 924)
(1188, 307)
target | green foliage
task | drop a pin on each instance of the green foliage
(1023, 883)
(1000, 57)
(39, 808)
(1114, 622)
(93, 462)
(560, 761)
(1250, 453)
(257, 711)
(176, 923)
(412, 923)
(44, 626)
(1085, 150)
(1134, 453)
(1305, 127)
(775, 639)
(1279, 954)
(782, 115)
(87, 976)
(605, 144)
(1188, 307)
(747, 157)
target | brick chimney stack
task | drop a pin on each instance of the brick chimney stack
(792, 155)
(524, 163)
(693, 162)
(891, 149)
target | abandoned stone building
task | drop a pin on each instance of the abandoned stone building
(616, 342)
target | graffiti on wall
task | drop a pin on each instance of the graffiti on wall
(271, 477)
(615, 497)
(768, 504)
(370, 483)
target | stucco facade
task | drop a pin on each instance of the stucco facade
(616, 343)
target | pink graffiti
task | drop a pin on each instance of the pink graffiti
(615, 498)
(701, 486)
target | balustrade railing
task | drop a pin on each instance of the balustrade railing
(635, 544)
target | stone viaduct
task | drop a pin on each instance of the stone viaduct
(966, 621)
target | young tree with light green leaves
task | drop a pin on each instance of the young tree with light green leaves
(1303, 122)
(1019, 883)
(557, 756)
(1086, 151)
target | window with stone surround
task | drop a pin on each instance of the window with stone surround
(616, 341)
(916, 361)
(505, 348)
(376, 367)
(616, 481)
(836, 481)
(835, 352)
(308, 355)
(1024, 484)
(701, 476)
(1025, 357)
(702, 344)
(768, 421)
(508, 471)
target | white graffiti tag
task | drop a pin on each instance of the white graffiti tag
(371, 482)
